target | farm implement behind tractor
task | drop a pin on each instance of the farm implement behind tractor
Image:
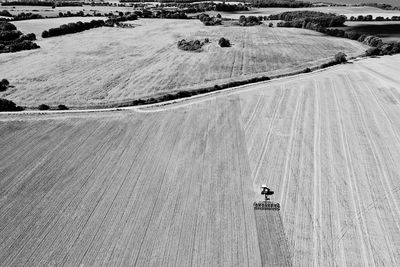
(266, 204)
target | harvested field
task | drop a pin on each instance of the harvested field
(37, 26)
(113, 65)
(174, 185)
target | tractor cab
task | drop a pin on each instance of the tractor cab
(266, 191)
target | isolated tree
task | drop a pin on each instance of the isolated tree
(340, 57)
(224, 42)
(43, 107)
(62, 107)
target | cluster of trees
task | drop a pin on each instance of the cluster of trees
(230, 8)
(12, 40)
(4, 84)
(295, 18)
(384, 49)
(223, 42)
(5, 13)
(280, 3)
(210, 21)
(20, 16)
(72, 28)
(47, 107)
(7, 105)
(115, 20)
(250, 20)
(193, 45)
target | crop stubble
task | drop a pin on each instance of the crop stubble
(176, 187)
(75, 69)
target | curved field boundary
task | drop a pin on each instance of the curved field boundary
(193, 98)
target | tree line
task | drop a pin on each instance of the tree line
(250, 20)
(73, 27)
(295, 18)
(371, 18)
(280, 3)
(12, 40)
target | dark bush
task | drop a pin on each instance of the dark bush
(43, 107)
(230, 7)
(62, 107)
(249, 21)
(373, 51)
(24, 45)
(194, 45)
(7, 26)
(307, 70)
(5, 13)
(45, 34)
(373, 41)
(352, 35)
(224, 42)
(270, 25)
(4, 85)
(6, 36)
(209, 21)
(340, 58)
(7, 105)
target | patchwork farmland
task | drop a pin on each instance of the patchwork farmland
(74, 70)
(174, 185)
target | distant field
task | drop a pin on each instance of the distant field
(46, 11)
(347, 11)
(175, 185)
(109, 65)
(37, 26)
(387, 30)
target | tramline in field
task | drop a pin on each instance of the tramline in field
(266, 204)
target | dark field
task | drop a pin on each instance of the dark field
(385, 30)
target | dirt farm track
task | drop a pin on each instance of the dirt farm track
(175, 185)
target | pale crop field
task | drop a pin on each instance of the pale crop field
(113, 65)
(37, 26)
(174, 185)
